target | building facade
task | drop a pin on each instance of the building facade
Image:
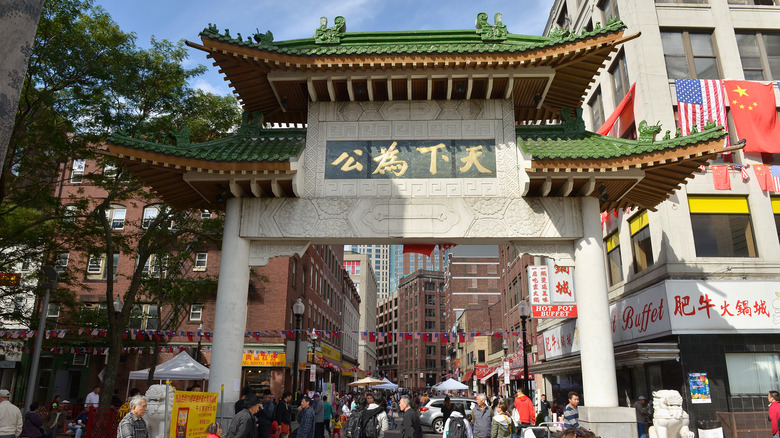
(388, 328)
(360, 269)
(472, 273)
(382, 257)
(690, 284)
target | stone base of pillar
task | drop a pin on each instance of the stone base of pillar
(609, 422)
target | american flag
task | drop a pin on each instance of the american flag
(700, 101)
(775, 177)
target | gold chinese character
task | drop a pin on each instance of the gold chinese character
(388, 161)
(434, 151)
(350, 164)
(473, 160)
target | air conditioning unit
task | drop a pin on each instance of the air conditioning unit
(80, 360)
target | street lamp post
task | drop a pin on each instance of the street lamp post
(51, 276)
(525, 312)
(298, 309)
(200, 338)
(314, 338)
(505, 346)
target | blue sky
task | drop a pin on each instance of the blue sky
(176, 19)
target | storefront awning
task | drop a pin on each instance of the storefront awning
(467, 376)
(633, 354)
(490, 374)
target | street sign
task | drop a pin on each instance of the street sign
(551, 289)
(313, 372)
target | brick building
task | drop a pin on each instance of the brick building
(387, 346)
(471, 273)
(421, 309)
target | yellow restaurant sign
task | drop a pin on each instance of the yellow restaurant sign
(264, 360)
(331, 353)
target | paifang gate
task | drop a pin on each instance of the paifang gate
(459, 136)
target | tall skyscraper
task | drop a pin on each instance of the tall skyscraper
(380, 256)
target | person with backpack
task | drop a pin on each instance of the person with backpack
(353, 424)
(373, 423)
(456, 425)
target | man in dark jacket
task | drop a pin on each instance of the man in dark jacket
(243, 424)
(411, 427)
(265, 415)
(239, 405)
(283, 412)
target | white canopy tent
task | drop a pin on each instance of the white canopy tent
(387, 385)
(181, 367)
(450, 385)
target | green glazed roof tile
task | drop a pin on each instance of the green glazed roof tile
(272, 145)
(400, 42)
(559, 143)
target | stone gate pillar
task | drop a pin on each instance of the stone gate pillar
(230, 318)
(599, 379)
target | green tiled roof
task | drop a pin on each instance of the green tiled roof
(269, 145)
(570, 142)
(407, 42)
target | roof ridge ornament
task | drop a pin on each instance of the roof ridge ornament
(264, 39)
(326, 35)
(491, 32)
(572, 124)
(251, 127)
(182, 136)
(647, 132)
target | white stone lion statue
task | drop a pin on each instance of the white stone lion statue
(155, 412)
(669, 419)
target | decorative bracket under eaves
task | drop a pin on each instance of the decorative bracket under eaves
(491, 32)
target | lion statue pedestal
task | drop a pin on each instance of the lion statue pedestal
(669, 419)
(155, 416)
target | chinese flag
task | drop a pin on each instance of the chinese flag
(755, 115)
(720, 175)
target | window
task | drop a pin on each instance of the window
(430, 313)
(619, 75)
(430, 300)
(150, 214)
(196, 312)
(205, 214)
(776, 211)
(352, 267)
(69, 215)
(755, 2)
(683, 1)
(61, 263)
(721, 226)
(110, 170)
(77, 171)
(596, 106)
(752, 373)
(430, 325)
(154, 265)
(96, 267)
(430, 286)
(480, 355)
(53, 311)
(116, 216)
(614, 263)
(144, 317)
(610, 10)
(201, 261)
(689, 55)
(640, 241)
(760, 55)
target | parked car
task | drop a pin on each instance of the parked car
(431, 416)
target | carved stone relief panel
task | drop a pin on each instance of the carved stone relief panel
(260, 253)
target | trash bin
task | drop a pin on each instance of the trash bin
(709, 429)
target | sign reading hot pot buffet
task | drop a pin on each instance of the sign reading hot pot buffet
(387, 159)
(551, 289)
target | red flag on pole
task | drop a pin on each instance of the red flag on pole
(755, 115)
(622, 118)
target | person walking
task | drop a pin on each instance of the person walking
(305, 418)
(265, 415)
(774, 412)
(501, 426)
(11, 421)
(524, 414)
(571, 416)
(283, 412)
(376, 412)
(319, 416)
(133, 424)
(446, 410)
(642, 415)
(243, 424)
(456, 426)
(544, 408)
(482, 418)
(411, 420)
(327, 413)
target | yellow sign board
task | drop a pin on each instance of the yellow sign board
(264, 360)
(331, 353)
(192, 413)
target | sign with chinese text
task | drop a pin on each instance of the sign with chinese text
(330, 352)
(700, 388)
(387, 159)
(551, 289)
(264, 360)
(313, 373)
(192, 413)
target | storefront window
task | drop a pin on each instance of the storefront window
(614, 264)
(640, 241)
(753, 373)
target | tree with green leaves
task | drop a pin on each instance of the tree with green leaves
(86, 79)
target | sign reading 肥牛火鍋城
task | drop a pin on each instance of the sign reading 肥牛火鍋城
(551, 289)
(387, 159)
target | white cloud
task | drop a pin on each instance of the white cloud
(208, 87)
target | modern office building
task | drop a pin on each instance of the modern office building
(692, 283)
(382, 259)
(360, 269)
